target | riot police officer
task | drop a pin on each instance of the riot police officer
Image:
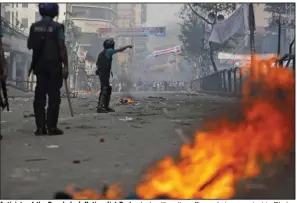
(50, 65)
(104, 62)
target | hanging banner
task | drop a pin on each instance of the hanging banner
(134, 32)
(235, 24)
(176, 49)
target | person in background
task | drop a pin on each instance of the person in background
(50, 65)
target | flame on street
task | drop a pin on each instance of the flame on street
(210, 167)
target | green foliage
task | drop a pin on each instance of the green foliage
(192, 35)
(215, 8)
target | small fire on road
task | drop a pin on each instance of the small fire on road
(128, 100)
(210, 167)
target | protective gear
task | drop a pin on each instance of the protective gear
(104, 99)
(44, 39)
(108, 44)
(48, 9)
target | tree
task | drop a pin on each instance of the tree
(192, 36)
(205, 9)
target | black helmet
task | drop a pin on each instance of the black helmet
(48, 9)
(109, 43)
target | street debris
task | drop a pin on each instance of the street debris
(71, 95)
(182, 135)
(126, 119)
(52, 146)
(102, 140)
(76, 161)
(29, 116)
(160, 99)
(36, 159)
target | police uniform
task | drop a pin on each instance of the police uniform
(44, 40)
(104, 63)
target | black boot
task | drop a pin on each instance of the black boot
(41, 132)
(107, 104)
(101, 108)
(55, 131)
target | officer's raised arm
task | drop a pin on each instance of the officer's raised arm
(123, 48)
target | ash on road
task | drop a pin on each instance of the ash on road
(111, 148)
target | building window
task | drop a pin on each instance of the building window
(12, 18)
(16, 5)
(12, 5)
(25, 23)
(7, 15)
(25, 5)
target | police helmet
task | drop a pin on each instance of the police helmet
(48, 9)
(109, 43)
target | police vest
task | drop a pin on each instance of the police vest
(103, 63)
(45, 40)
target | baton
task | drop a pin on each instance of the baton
(68, 98)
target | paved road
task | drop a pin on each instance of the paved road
(134, 137)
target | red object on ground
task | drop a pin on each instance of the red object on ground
(101, 140)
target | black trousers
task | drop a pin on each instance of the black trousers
(47, 85)
(104, 79)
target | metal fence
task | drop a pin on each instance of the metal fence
(230, 81)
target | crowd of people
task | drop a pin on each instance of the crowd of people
(151, 86)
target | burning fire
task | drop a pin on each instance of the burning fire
(211, 166)
(127, 101)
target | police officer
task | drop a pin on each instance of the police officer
(104, 70)
(3, 67)
(50, 65)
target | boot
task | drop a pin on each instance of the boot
(41, 131)
(100, 108)
(55, 131)
(107, 104)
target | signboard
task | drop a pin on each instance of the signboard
(132, 32)
(90, 26)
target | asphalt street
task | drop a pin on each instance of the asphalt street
(115, 147)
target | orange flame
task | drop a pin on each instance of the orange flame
(129, 101)
(210, 167)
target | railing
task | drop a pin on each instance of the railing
(224, 81)
(290, 57)
(229, 82)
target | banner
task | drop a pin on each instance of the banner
(130, 32)
(176, 49)
(236, 23)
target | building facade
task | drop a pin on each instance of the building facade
(22, 15)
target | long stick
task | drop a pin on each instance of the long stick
(68, 98)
